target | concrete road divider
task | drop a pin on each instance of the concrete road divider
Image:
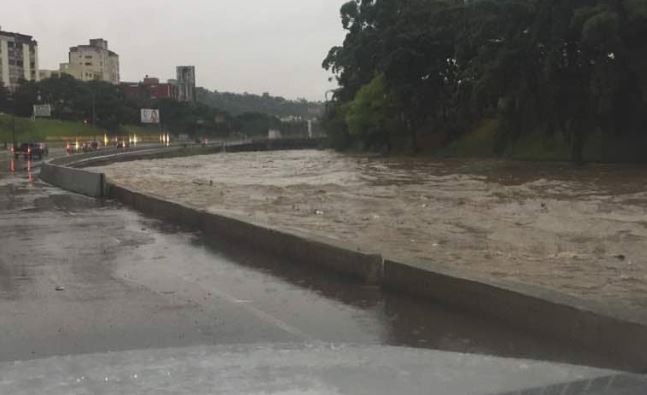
(80, 181)
(529, 308)
(301, 248)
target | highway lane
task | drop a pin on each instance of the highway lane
(79, 276)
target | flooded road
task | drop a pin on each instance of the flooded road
(80, 276)
(580, 231)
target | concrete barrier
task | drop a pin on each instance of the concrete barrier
(529, 308)
(618, 336)
(297, 247)
(75, 180)
(105, 157)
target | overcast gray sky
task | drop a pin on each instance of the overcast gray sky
(257, 46)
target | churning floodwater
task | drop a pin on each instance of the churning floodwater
(579, 230)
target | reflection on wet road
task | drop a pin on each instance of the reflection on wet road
(80, 276)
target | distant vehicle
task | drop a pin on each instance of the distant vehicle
(122, 145)
(70, 148)
(90, 146)
(30, 150)
(44, 148)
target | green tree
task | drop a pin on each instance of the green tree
(370, 116)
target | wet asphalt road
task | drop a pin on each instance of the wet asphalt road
(80, 276)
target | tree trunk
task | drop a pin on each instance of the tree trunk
(414, 137)
(577, 148)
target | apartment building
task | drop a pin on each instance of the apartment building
(186, 83)
(18, 59)
(93, 62)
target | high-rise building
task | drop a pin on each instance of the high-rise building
(94, 62)
(186, 83)
(18, 59)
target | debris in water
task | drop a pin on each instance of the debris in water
(620, 257)
(319, 212)
(59, 288)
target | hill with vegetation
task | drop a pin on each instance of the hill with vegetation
(76, 105)
(240, 103)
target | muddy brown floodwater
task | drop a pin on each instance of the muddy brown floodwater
(582, 231)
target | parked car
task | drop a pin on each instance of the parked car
(44, 148)
(30, 150)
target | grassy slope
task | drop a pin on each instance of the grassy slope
(55, 130)
(538, 147)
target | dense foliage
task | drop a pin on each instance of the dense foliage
(105, 105)
(240, 103)
(411, 69)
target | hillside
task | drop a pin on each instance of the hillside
(56, 130)
(236, 104)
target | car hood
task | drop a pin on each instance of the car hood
(311, 368)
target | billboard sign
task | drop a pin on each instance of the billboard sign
(150, 116)
(42, 110)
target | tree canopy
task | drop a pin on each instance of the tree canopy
(573, 67)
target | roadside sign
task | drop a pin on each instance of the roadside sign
(42, 110)
(150, 116)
